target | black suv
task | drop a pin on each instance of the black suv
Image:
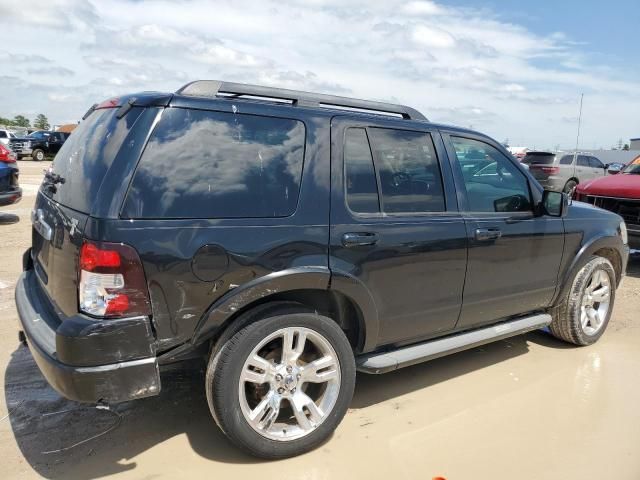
(39, 144)
(290, 239)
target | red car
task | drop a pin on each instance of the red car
(619, 194)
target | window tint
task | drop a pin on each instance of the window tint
(595, 163)
(408, 169)
(492, 181)
(3, 134)
(360, 177)
(83, 161)
(583, 161)
(539, 158)
(566, 160)
(201, 164)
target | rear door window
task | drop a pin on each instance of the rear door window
(206, 164)
(566, 160)
(583, 161)
(408, 171)
(85, 158)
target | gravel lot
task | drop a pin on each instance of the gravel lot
(526, 408)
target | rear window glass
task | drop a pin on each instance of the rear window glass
(83, 160)
(202, 164)
(539, 159)
(566, 160)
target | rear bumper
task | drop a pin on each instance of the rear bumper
(10, 197)
(69, 352)
(552, 183)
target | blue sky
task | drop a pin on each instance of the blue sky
(509, 68)
(607, 29)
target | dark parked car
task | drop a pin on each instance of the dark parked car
(39, 144)
(289, 239)
(10, 191)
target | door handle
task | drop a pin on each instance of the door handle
(486, 234)
(359, 239)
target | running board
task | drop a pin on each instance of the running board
(406, 356)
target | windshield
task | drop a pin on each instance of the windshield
(633, 168)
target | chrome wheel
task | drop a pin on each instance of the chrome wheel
(289, 384)
(595, 302)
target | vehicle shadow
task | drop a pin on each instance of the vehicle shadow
(8, 218)
(64, 439)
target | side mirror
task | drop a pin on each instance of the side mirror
(554, 204)
(614, 168)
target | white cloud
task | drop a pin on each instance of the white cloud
(422, 8)
(459, 65)
(432, 37)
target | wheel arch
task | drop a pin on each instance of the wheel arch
(313, 288)
(605, 246)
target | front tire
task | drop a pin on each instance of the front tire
(281, 385)
(583, 315)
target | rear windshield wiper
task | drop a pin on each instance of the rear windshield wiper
(51, 180)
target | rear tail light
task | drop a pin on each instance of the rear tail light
(112, 282)
(6, 155)
(549, 170)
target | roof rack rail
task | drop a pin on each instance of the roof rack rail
(216, 88)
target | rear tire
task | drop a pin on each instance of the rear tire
(583, 314)
(569, 187)
(38, 155)
(263, 404)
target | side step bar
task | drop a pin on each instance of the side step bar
(406, 356)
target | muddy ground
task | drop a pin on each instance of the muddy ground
(530, 407)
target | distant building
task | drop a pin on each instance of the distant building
(634, 144)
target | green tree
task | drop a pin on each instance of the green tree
(626, 146)
(21, 121)
(41, 122)
(6, 121)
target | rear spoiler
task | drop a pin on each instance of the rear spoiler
(126, 102)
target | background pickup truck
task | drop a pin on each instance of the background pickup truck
(38, 145)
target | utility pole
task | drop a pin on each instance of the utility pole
(575, 155)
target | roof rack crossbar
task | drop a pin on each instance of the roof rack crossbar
(214, 88)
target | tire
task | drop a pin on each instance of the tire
(38, 155)
(569, 187)
(569, 315)
(281, 431)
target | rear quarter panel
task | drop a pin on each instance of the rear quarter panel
(190, 264)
